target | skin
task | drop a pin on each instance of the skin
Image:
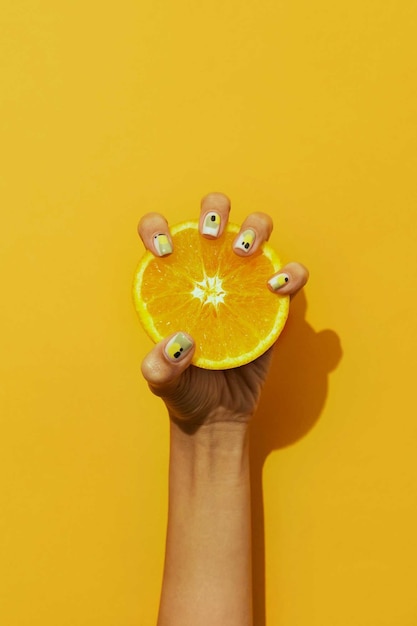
(207, 572)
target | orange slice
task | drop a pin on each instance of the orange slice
(219, 298)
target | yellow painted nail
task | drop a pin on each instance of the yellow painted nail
(245, 240)
(162, 244)
(178, 347)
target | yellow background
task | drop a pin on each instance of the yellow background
(302, 109)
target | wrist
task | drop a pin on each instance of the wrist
(218, 451)
(216, 435)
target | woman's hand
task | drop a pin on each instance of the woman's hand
(195, 396)
(207, 572)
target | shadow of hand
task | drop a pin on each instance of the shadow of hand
(291, 403)
(296, 388)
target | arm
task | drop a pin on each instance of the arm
(207, 573)
(207, 578)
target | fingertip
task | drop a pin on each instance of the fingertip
(179, 347)
(245, 241)
(299, 273)
(153, 229)
(168, 359)
(255, 230)
(278, 281)
(289, 280)
(149, 218)
(215, 200)
(214, 215)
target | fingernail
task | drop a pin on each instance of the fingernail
(278, 281)
(245, 241)
(162, 244)
(211, 224)
(177, 347)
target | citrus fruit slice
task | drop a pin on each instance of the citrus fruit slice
(219, 298)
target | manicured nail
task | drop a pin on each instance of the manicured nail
(162, 244)
(245, 240)
(278, 281)
(178, 346)
(211, 224)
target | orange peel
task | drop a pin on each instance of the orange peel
(218, 297)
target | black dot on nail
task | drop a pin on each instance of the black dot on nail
(246, 245)
(286, 279)
(213, 218)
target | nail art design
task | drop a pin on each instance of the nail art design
(278, 281)
(245, 241)
(178, 347)
(162, 244)
(211, 225)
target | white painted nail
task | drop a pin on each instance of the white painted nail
(278, 281)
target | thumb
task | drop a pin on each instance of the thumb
(163, 366)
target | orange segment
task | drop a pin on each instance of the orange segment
(219, 298)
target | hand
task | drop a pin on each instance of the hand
(195, 396)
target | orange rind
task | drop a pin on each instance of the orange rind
(218, 297)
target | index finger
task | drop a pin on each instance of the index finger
(153, 229)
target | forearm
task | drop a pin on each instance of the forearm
(207, 576)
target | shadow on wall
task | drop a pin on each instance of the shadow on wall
(291, 403)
